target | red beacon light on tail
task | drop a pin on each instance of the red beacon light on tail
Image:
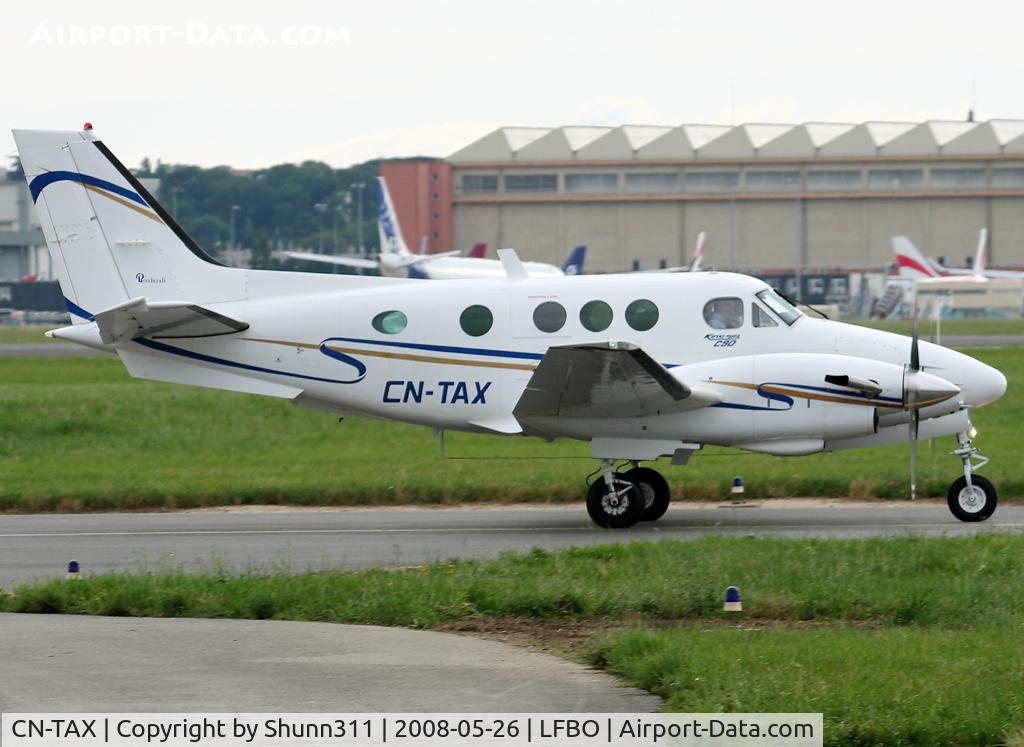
(87, 126)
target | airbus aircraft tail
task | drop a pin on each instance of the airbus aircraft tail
(109, 239)
(912, 263)
(391, 241)
(574, 264)
(980, 255)
(698, 254)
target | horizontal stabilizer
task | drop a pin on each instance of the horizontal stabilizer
(162, 319)
(344, 260)
(611, 379)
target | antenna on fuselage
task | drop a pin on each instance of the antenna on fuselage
(514, 269)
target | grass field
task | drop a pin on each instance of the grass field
(10, 334)
(906, 641)
(81, 434)
(979, 326)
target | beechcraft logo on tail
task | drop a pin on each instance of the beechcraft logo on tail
(141, 277)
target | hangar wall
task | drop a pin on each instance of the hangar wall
(768, 196)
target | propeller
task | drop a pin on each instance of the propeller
(910, 401)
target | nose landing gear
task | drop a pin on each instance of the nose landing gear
(971, 497)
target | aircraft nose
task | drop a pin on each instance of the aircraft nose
(984, 384)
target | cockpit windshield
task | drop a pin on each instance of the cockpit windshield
(786, 311)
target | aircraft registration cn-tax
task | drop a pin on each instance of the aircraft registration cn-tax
(395, 260)
(639, 365)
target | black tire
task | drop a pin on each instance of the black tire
(655, 489)
(621, 513)
(968, 505)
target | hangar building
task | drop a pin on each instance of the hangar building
(770, 196)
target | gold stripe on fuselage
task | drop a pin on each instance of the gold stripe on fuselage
(400, 356)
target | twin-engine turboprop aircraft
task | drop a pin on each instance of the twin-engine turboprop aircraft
(640, 365)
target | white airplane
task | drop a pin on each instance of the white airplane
(638, 365)
(913, 265)
(395, 259)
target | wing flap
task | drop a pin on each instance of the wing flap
(164, 319)
(611, 379)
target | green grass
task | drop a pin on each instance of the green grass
(17, 334)
(957, 583)
(976, 326)
(897, 641)
(896, 686)
(81, 434)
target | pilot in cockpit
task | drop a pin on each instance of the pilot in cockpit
(724, 313)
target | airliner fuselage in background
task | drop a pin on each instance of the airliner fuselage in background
(639, 365)
(396, 261)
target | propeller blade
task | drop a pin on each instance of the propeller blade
(913, 425)
(915, 357)
(910, 398)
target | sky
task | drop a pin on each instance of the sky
(258, 83)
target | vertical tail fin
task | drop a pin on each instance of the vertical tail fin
(981, 255)
(698, 254)
(391, 241)
(574, 264)
(109, 239)
(478, 251)
(912, 263)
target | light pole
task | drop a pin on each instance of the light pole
(321, 208)
(359, 214)
(231, 240)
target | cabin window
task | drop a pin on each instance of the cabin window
(549, 316)
(724, 313)
(390, 322)
(596, 316)
(641, 315)
(760, 317)
(476, 320)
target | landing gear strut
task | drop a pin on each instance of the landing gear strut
(971, 497)
(617, 501)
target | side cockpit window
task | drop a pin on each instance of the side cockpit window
(760, 317)
(786, 311)
(724, 313)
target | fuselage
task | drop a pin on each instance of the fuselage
(459, 354)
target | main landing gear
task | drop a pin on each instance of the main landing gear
(619, 500)
(971, 497)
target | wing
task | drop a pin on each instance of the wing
(605, 380)
(165, 319)
(334, 259)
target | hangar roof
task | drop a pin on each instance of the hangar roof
(747, 141)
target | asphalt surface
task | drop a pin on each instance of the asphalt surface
(34, 547)
(89, 664)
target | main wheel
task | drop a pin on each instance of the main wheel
(615, 511)
(974, 502)
(655, 489)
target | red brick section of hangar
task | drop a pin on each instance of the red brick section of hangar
(422, 194)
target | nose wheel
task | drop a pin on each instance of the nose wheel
(971, 497)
